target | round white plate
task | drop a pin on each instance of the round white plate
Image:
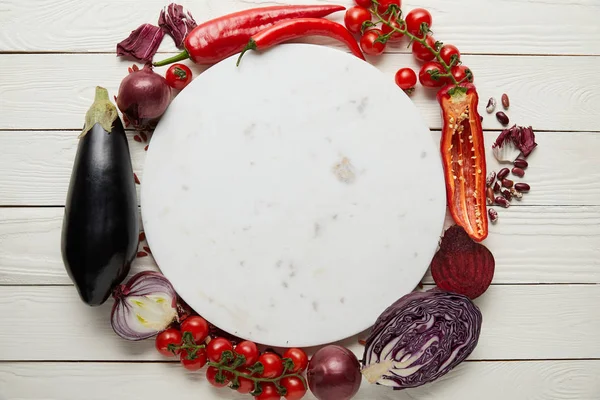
(292, 199)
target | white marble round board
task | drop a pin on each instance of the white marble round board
(291, 199)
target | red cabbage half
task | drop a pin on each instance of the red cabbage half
(421, 337)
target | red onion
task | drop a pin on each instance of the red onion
(143, 97)
(334, 373)
(144, 306)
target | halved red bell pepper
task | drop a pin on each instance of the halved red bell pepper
(463, 158)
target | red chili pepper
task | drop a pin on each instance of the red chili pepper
(297, 28)
(463, 157)
(225, 36)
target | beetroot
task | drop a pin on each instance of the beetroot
(461, 265)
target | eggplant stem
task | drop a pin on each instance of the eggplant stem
(101, 112)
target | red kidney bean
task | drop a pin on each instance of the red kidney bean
(493, 215)
(507, 194)
(503, 173)
(496, 187)
(489, 194)
(507, 183)
(516, 194)
(502, 118)
(520, 163)
(518, 172)
(491, 105)
(489, 181)
(501, 201)
(522, 187)
(505, 101)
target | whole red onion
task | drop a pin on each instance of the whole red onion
(143, 97)
(334, 373)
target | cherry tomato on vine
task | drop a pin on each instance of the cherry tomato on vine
(355, 17)
(249, 350)
(216, 347)
(364, 3)
(273, 366)
(197, 326)
(385, 4)
(246, 385)
(415, 18)
(178, 76)
(369, 45)
(196, 363)
(406, 78)
(269, 392)
(460, 72)
(294, 386)
(165, 338)
(426, 79)
(211, 377)
(396, 36)
(298, 357)
(447, 52)
(421, 52)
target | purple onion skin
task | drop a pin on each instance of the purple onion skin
(143, 97)
(415, 319)
(334, 373)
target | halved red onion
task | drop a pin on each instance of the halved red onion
(144, 306)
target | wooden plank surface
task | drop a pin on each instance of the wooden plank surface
(549, 93)
(475, 26)
(530, 245)
(36, 165)
(539, 380)
(520, 323)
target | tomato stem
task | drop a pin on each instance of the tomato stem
(423, 41)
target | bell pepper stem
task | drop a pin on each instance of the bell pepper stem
(184, 55)
(250, 46)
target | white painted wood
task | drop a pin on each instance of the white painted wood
(540, 380)
(549, 93)
(530, 245)
(36, 167)
(475, 26)
(520, 322)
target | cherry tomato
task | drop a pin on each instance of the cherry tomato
(369, 45)
(384, 5)
(415, 18)
(197, 326)
(249, 350)
(406, 78)
(178, 76)
(273, 366)
(216, 347)
(447, 51)
(364, 3)
(426, 79)
(298, 357)
(167, 337)
(269, 392)
(460, 72)
(396, 36)
(211, 377)
(355, 17)
(246, 385)
(421, 52)
(196, 363)
(294, 386)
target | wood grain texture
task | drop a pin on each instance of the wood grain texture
(549, 93)
(539, 380)
(530, 245)
(36, 165)
(520, 322)
(475, 26)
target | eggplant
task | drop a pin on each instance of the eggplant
(100, 230)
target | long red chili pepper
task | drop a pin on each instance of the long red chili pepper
(463, 157)
(225, 36)
(301, 27)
